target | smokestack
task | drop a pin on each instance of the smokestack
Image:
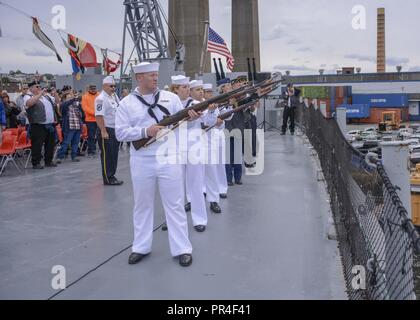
(222, 72)
(218, 76)
(381, 56)
(250, 77)
(254, 66)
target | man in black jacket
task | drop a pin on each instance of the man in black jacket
(291, 96)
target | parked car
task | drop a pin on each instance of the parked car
(414, 148)
(415, 158)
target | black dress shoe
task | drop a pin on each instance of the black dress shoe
(185, 260)
(283, 133)
(239, 183)
(113, 182)
(292, 133)
(51, 165)
(119, 182)
(188, 207)
(38, 167)
(249, 166)
(200, 228)
(136, 258)
(231, 184)
(75, 160)
(223, 196)
(164, 227)
(214, 206)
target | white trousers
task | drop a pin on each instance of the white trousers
(212, 183)
(145, 172)
(194, 180)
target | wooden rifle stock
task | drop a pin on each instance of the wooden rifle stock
(181, 115)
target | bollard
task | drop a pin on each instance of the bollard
(341, 113)
(395, 157)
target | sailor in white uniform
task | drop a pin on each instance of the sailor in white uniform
(136, 119)
(212, 183)
(197, 153)
(224, 86)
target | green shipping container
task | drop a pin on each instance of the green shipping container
(315, 92)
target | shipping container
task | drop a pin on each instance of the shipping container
(357, 111)
(315, 92)
(376, 115)
(382, 100)
(414, 110)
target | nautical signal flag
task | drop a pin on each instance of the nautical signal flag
(216, 44)
(36, 29)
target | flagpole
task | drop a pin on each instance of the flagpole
(204, 51)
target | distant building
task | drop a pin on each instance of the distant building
(383, 91)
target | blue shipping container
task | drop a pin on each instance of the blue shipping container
(357, 111)
(382, 100)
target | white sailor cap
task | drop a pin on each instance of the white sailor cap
(208, 87)
(146, 67)
(196, 84)
(109, 80)
(180, 80)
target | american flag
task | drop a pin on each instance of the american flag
(216, 44)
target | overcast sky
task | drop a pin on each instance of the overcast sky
(301, 36)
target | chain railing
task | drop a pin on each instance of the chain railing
(375, 235)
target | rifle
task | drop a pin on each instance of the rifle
(183, 114)
(245, 106)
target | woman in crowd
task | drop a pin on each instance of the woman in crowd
(12, 111)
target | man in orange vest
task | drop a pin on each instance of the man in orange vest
(88, 105)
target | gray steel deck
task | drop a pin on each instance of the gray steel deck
(269, 243)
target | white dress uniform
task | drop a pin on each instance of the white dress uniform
(195, 167)
(132, 121)
(106, 106)
(221, 167)
(216, 156)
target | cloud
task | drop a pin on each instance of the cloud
(227, 10)
(304, 49)
(392, 61)
(292, 68)
(38, 53)
(360, 57)
(415, 68)
(294, 41)
(275, 34)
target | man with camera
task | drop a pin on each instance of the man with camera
(72, 122)
(42, 115)
(291, 97)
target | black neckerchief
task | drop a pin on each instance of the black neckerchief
(154, 105)
(189, 102)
